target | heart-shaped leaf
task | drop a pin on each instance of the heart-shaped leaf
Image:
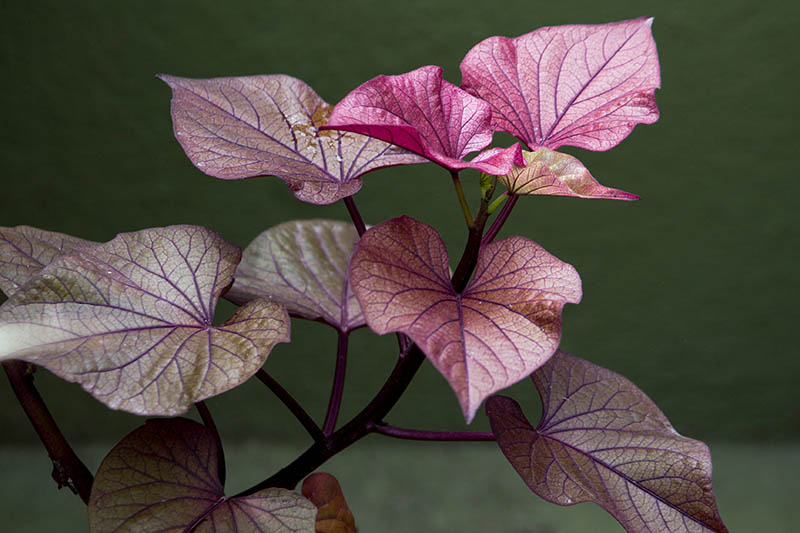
(24, 251)
(585, 86)
(234, 128)
(557, 174)
(602, 440)
(504, 325)
(428, 116)
(333, 514)
(131, 320)
(303, 265)
(163, 477)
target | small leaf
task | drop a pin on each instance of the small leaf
(24, 251)
(163, 477)
(557, 174)
(585, 86)
(503, 326)
(235, 128)
(602, 440)
(303, 266)
(131, 320)
(333, 515)
(428, 116)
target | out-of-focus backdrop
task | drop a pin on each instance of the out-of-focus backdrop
(688, 292)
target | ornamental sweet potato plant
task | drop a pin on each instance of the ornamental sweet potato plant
(131, 320)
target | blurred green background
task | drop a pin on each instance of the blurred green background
(687, 292)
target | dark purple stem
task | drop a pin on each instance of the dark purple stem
(208, 422)
(296, 409)
(501, 218)
(418, 434)
(358, 222)
(68, 469)
(471, 250)
(338, 385)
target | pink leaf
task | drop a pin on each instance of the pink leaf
(163, 476)
(557, 174)
(505, 324)
(426, 115)
(235, 128)
(131, 320)
(585, 86)
(602, 440)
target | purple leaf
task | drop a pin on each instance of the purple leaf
(131, 320)
(163, 477)
(303, 266)
(602, 440)
(24, 251)
(557, 174)
(426, 115)
(504, 325)
(585, 86)
(235, 128)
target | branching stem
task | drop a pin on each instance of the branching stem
(68, 469)
(338, 385)
(498, 222)
(289, 401)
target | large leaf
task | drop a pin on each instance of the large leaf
(302, 265)
(163, 477)
(585, 86)
(131, 320)
(333, 514)
(423, 113)
(504, 325)
(602, 440)
(234, 128)
(24, 251)
(557, 174)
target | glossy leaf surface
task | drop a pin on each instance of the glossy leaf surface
(333, 514)
(234, 128)
(303, 266)
(578, 85)
(131, 320)
(602, 440)
(505, 324)
(426, 115)
(24, 251)
(163, 477)
(554, 173)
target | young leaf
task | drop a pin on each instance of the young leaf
(333, 515)
(602, 440)
(235, 128)
(131, 320)
(585, 86)
(163, 477)
(557, 174)
(24, 251)
(504, 325)
(428, 116)
(302, 265)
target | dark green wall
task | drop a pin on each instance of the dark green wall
(687, 292)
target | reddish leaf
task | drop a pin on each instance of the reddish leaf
(557, 174)
(131, 320)
(585, 86)
(24, 251)
(505, 324)
(163, 477)
(302, 265)
(234, 128)
(333, 515)
(428, 116)
(602, 440)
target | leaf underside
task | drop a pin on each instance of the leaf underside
(163, 476)
(131, 320)
(602, 440)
